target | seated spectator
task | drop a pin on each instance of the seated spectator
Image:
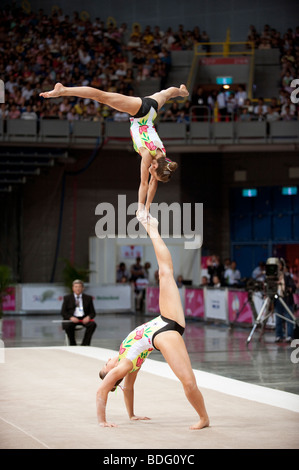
(122, 272)
(259, 273)
(260, 110)
(14, 112)
(199, 101)
(3, 111)
(204, 281)
(91, 110)
(80, 108)
(215, 267)
(232, 275)
(27, 92)
(227, 263)
(120, 117)
(286, 81)
(265, 44)
(274, 103)
(179, 281)
(272, 114)
(184, 112)
(216, 282)
(289, 104)
(135, 38)
(241, 96)
(147, 267)
(286, 114)
(18, 98)
(77, 308)
(72, 115)
(245, 115)
(137, 270)
(249, 106)
(231, 105)
(172, 113)
(29, 114)
(64, 107)
(221, 100)
(140, 289)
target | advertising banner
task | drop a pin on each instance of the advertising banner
(239, 309)
(216, 304)
(9, 301)
(42, 298)
(152, 299)
(111, 298)
(48, 298)
(194, 303)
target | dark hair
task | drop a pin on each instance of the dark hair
(165, 169)
(102, 375)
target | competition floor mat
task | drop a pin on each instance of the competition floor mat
(47, 401)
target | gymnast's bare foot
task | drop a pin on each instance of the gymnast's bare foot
(202, 423)
(58, 91)
(184, 91)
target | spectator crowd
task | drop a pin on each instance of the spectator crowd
(216, 274)
(38, 50)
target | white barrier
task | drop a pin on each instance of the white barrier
(225, 305)
(48, 298)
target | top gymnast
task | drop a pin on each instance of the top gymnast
(146, 141)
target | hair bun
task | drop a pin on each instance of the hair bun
(172, 166)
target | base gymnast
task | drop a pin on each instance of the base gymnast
(163, 333)
(146, 140)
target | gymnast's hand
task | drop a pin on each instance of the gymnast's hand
(139, 418)
(104, 424)
(58, 91)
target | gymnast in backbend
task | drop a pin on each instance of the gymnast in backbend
(163, 333)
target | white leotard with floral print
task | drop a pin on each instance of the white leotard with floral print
(138, 344)
(144, 134)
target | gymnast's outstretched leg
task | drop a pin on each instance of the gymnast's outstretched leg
(123, 103)
(171, 343)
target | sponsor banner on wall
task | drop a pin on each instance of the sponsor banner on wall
(224, 61)
(152, 299)
(48, 298)
(216, 304)
(111, 298)
(194, 303)
(239, 309)
(131, 252)
(42, 298)
(9, 300)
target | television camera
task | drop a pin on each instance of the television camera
(270, 287)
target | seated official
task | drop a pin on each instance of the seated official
(78, 308)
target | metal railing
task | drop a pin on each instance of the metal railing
(206, 125)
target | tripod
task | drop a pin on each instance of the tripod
(264, 313)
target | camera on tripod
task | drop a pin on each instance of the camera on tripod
(273, 267)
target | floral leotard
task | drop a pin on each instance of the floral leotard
(143, 131)
(139, 343)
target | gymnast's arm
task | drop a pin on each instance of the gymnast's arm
(106, 386)
(152, 188)
(144, 175)
(129, 395)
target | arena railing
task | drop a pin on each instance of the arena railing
(191, 131)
